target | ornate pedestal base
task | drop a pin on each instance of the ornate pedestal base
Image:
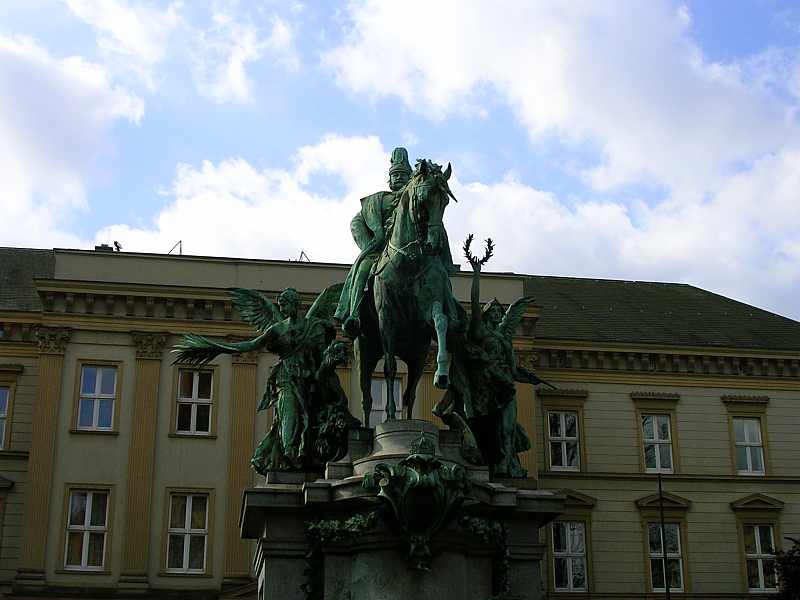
(401, 516)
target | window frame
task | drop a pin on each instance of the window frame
(174, 401)
(759, 556)
(657, 404)
(116, 408)
(69, 488)
(564, 401)
(8, 379)
(569, 556)
(577, 508)
(659, 556)
(748, 407)
(169, 492)
(675, 509)
(756, 509)
(748, 446)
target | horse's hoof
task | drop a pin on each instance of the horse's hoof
(442, 381)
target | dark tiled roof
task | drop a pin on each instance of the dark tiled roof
(603, 310)
(18, 268)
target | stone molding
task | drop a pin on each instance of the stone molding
(53, 340)
(149, 345)
(667, 363)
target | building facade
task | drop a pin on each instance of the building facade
(122, 473)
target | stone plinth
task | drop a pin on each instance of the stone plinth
(341, 538)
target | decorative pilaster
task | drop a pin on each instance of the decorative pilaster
(135, 554)
(242, 406)
(38, 487)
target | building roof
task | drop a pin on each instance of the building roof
(673, 314)
(18, 268)
(572, 308)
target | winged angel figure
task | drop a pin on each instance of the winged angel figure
(311, 414)
(482, 403)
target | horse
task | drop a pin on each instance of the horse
(411, 297)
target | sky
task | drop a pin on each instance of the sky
(652, 140)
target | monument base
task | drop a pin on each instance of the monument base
(401, 516)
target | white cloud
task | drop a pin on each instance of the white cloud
(741, 243)
(139, 37)
(55, 114)
(628, 80)
(133, 36)
(233, 208)
(222, 52)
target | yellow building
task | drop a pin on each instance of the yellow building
(122, 473)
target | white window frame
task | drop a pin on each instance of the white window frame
(659, 556)
(569, 556)
(759, 556)
(4, 418)
(86, 528)
(194, 401)
(378, 412)
(656, 441)
(96, 396)
(563, 440)
(748, 445)
(187, 532)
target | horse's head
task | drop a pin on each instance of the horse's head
(429, 194)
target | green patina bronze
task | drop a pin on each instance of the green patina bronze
(423, 494)
(311, 415)
(481, 402)
(397, 296)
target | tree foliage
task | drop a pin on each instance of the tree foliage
(788, 567)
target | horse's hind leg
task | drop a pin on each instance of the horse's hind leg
(367, 357)
(415, 367)
(389, 374)
(442, 377)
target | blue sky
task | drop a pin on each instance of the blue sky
(654, 140)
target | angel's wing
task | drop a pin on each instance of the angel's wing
(254, 308)
(513, 315)
(199, 350)
(325, 304)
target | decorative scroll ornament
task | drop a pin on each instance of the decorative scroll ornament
(423, 494)
(53, 340)
(149, 345)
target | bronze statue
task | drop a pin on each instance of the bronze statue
(410, 298)
(311, 414)
(482, 401)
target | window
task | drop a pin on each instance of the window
(187, 533)
(564, 440)
(379, 392)
(98, 389)
(5, 401)
(194, 402)
(569, 556)
(657, 442)
(672, 539)
(749, 446)
(759, 550)
(87, 529)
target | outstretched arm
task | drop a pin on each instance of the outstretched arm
(199, 350)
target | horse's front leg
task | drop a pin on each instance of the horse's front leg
(442, 378)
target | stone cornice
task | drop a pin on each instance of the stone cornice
(677, 363)
(149, 345)
(53, 340)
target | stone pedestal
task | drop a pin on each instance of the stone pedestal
(339, 539)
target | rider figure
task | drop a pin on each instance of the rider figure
(369, 232)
